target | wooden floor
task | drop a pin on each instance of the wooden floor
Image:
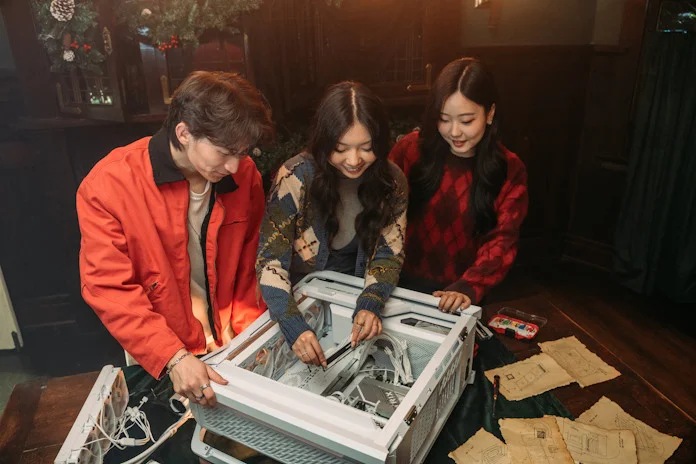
(646, 339)
(648, 335)
(642, 338)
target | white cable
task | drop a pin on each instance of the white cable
(120, 438)
(101, 453)
(108, 437)
(338, 396)
(164, 437)
(381, 369)
(399, 358)
(357, 387)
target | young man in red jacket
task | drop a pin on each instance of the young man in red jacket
(170, 229)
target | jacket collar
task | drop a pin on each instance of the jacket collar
(165, 171)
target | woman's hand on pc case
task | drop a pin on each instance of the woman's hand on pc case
(452, 301)
(308, 349)
(366, 325)
(191, 378)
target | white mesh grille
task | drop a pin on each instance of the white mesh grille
(420, 352)
(225, 421)
(435, 406)
(423, 425)
(447, 387)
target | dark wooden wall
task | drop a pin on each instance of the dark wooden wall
(602, 163)
(542, 90)
(565, 111)
(40, 169)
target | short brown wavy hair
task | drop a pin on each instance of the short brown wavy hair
(223, 108)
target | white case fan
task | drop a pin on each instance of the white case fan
(101, 412)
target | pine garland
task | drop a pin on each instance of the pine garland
(171, 23)
(70, 40)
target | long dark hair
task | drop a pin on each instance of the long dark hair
(469, 77)
(343, 105)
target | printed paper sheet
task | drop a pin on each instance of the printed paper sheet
(583, 365)
(535, 441)
(482, 448)
(653, 447)
(530, 377)
(594, 445)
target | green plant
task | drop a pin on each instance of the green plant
(173, 23)
(69, 32)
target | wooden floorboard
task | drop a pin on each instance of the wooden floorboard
(637, 336)
(16, 420)
(643, 333)
(654, 386)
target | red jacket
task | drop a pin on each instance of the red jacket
(134, 263)
(442, 252)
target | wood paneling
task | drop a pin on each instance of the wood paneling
(40, 239)
(604, 147)
(542, 93)
(37, 238)
(32, 65)
(570, 137)
(542, 90)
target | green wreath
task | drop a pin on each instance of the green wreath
(69, 32)
(173, 23)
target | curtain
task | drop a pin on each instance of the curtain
(655, 239)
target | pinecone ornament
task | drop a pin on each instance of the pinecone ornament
(69, 56)
(108, 44)
(62, 10)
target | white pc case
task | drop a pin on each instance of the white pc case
(378, 412)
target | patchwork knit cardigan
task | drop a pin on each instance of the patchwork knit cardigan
(292, 235)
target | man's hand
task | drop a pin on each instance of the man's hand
(452, 301)
(308, 349)
(366, 325)
(191, 378)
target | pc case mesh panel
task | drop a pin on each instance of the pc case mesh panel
(420, 352)
(225, 421)
(424, 424)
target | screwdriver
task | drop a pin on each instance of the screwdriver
(496, 389)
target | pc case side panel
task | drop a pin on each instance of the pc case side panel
(431, 417)
(299, 414)
(427, 381)
(450, 389)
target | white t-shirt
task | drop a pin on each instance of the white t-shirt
(199, 204)
(198, 208)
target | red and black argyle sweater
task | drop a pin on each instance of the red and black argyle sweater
(440, 246)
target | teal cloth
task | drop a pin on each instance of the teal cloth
(473, 411)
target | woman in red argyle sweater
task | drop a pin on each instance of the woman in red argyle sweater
(468, 193)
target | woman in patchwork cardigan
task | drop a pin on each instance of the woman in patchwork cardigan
(340, 207)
